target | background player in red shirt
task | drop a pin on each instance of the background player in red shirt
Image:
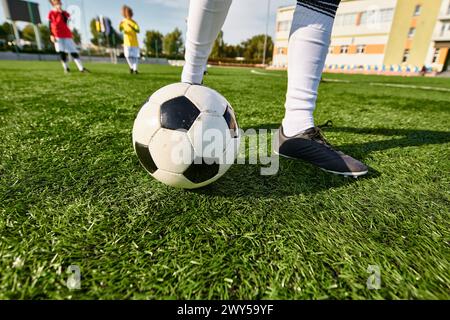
(61, 36)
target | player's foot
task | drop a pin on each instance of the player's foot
(312, 147)
(131, 71)
(85, 71)
(136, 72)
(67, 71)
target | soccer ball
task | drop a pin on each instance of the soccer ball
(186, 136)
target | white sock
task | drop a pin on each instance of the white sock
(130, 64)
(135, 63)
(79, 64)
(308, 47)
(206, 18)
(65, 65)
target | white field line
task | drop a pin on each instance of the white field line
(407, 86)
(336, 80)
(379, 84)
(259, 73)
(394, 85)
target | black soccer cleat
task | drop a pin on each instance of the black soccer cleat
(67, 71)
(312, 147)
(136, 72)
(85, 71)
(131, 71)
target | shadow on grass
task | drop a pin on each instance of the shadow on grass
(293, 178)
(409, 138)
(297, 177)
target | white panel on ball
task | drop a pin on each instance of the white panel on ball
(147, 123)
(231, 153)
(207, 100)
(174, 179)
(209, 134)
(169, 92)
(171, 150)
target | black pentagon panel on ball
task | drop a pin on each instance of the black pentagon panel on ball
(145, 157)
(201, 171)
(178, 113)
(231, 121)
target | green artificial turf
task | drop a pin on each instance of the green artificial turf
(72, 192)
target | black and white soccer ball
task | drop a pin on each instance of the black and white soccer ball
(186, 136)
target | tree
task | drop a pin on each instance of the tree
(76, 36)
(254, 48)
(45, 36)
(173, 43)
(28, 33)
(218, 50)
(6, 32)
(154, 43)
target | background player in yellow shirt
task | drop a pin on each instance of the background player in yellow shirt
(130, 29)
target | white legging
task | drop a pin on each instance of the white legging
(308, 46)
(133, 62)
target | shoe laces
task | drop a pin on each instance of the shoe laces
(317, 134)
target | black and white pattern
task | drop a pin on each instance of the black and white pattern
(328, 8)
(176, 118)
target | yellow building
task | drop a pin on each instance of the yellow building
(380, 35)
(439, 57)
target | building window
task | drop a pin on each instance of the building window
(448, 10)
(363, 19)
(436, 55)
(348, 19)
(405, 55)
(444, 29)
(372, 17)
(344, 49)
(411, 32)
(417, 10)
(386, 15)
(361, 49)
(280, 50)
(283, 25)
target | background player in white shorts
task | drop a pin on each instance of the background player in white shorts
(130, 29)
(62, 37)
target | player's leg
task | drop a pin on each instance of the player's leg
(63, 59)
(62, 55)
(134, 62)
(308, 47)
(130, 63)
(77, 60)
(135, 59)
(206, 18)
(128, 57)
(70, 47)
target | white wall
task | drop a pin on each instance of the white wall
(360, 40)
